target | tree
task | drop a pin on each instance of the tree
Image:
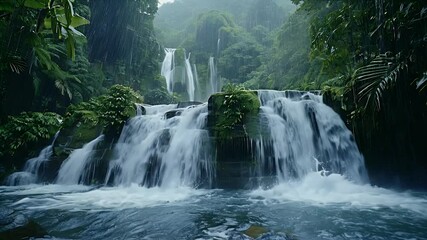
(32, 29)
(122, 38)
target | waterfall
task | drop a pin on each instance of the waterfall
(218, 45)
(190, 79)
(155, 150)
(198, 94)
(74, 170)
(305, 135)
(32, 168)
(168, 68)
(170, 146)
(213, 77)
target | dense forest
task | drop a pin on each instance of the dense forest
(62, 60)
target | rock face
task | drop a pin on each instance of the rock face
(234, 127)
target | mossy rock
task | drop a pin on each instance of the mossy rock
(233, 114)
(75, 137)
(255, 231)
(105, 114)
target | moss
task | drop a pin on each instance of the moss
(232, 110)
(255, 231)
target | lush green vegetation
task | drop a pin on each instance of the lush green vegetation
(26, 129)
(53, 57)
(232, 110)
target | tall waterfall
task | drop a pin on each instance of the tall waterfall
(185, 76)
(218, 46)
(32, 168)
(154, 150)
(198, 93)
(213, 79)
(168, 68)
(191, 86)
(75, 169)
(305, 135)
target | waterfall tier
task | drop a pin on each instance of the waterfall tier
(292, 135)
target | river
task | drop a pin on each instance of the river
(317, 207)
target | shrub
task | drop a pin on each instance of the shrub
(26, 129)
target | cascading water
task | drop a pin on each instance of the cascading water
(31, 171)
(74, 170)
(197, 94)
(305, 134)
(213, 79)
(218, 45)
(154, 150)
(168, 68)
(191, 86)
(187, 77)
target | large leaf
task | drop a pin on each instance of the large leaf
(372, 80)
(36, 4)
(77, 21)
(70, 42)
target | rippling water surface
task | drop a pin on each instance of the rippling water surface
(315, 208)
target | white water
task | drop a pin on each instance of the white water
(155, 151)
(317, 189)
(304, 133)
(31, 171)
(168, 68)
(191, 86)
(111, 198)
(168, 72)
(213, 79)
(73, 169)
(218, 45)
(198, 93)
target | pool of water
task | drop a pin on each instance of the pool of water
(314, 208)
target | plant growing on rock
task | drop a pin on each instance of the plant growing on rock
(233, 107)
(110, 111)
(116, 107)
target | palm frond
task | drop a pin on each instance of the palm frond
(422, 83)
(16, 64)
(373, 80)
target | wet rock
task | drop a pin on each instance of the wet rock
(16, 226)
(187, 104)
(6, 216)
(255, 231)
(29, 230)
(173, 113)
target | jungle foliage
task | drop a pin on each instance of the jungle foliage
(27, 129)
(49, 63)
